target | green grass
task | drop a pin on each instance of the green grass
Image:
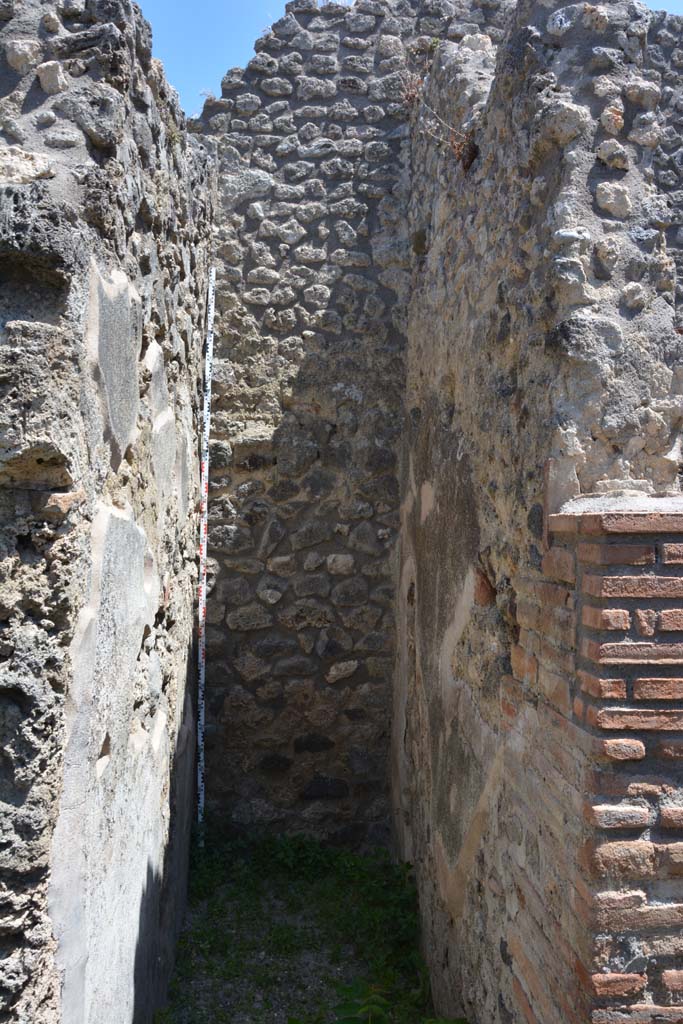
(266, 912)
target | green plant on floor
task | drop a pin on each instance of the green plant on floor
(263, 907)
(364, 1004)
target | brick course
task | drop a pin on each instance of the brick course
(516, 746)
(627, 684)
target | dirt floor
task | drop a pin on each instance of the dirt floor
(289, 932)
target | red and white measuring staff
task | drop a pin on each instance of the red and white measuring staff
(203, 532)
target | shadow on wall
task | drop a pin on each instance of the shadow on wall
(300, 642)
(308, 382)
(164, 895)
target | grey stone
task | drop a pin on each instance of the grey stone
(353, 84)
(374, 643)
(303, 40)
(333, 642)
(312, 743)
(298, 170)
(324, 788)
(230, 538)
(364, 538)
(311, 533)
(340, 564)
(276, 87)
(614, 199)
(286, 27)
(341, 670)
(309, 88)
(52, 78)
(360, 617)
(242, 185)
(274, 644)
(299, 665)
(324, 64)
(234, 591)
(311, 585)
(252, 616)
(306, 613)
(100, 114)
(351, 591)
(291, 64)
(64, 137)
(272, 535)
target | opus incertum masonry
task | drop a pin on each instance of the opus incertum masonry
(445, 515)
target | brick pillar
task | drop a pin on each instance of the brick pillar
(626, 609)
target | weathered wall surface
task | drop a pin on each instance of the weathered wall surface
(313, 255)
(104, 209)
(303, 508)
(544, 361)
(449, 312)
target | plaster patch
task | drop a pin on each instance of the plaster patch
(427, 500)
(461, 614)
(453, 878)
(114, 338)
(104, 653)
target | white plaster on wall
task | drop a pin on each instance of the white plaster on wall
(427, 500)
(111, 830)
(450, 688)
(399, 763)
(113, 338)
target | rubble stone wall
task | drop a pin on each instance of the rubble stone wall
(445, 499)
(543, 374)
(104, 214)
(313, 254)
(627, 594)
(308, 384)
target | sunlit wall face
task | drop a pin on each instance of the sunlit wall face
(220, 34)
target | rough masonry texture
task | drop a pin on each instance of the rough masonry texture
(489, 195)
(446, 520)
(104, 214)
(535, 786)
(308, 383)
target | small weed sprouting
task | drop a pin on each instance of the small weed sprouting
(460, 142)
(364, 1004)
(411, 88)
(323, 935)
(464, 147)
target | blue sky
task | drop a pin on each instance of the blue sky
(198, 41)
